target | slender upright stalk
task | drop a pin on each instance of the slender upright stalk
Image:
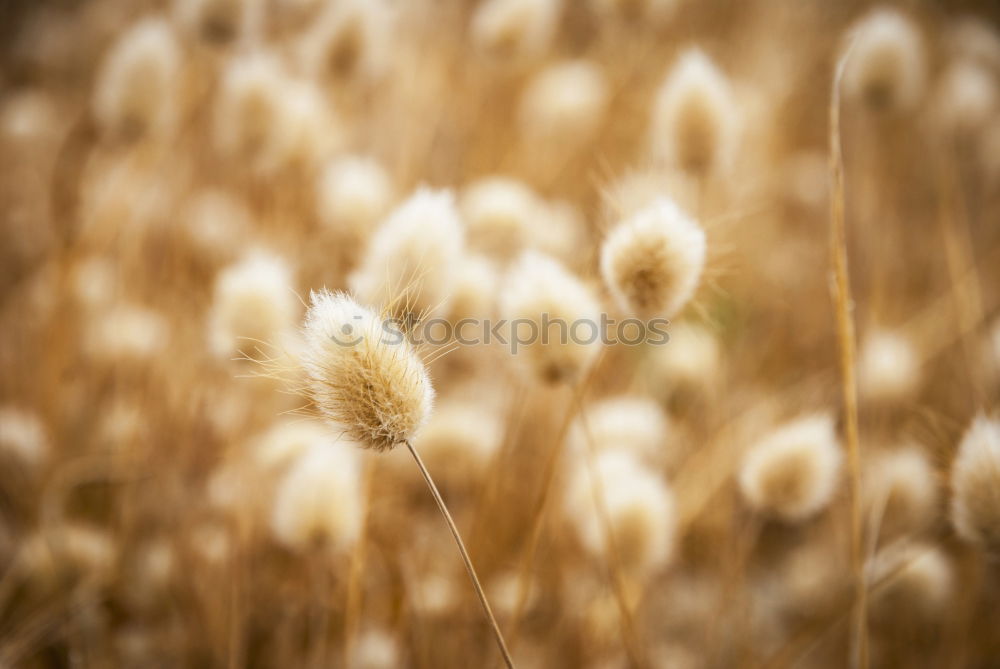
(465, 556)
(846, 338)
(352, 609)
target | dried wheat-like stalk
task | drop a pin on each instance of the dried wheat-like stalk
(846, 339)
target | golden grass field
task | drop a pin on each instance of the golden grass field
(198, 198)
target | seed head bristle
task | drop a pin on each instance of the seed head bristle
(652, 262)
(363, 376)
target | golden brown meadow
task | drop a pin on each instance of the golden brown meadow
(806, 475)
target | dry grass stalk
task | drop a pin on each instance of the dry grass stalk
(846, 338)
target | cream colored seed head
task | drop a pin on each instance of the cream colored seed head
(560, 231)
(966, 97)
(436, 594)
(695, 122)
(691, 357)
(975, 484)
(900, 486)
(634, 424)
(811, 579)
(249, 109)
(286, 441)
(349, 40)
(411, 260)
(653, 261)
(126, 332)
(917, 582)
(375, 649)
(886, 69)
(254, 305)
(75, 550)
(216, 223)
(459, 440)
(308, 130)
(363, 376)
(23, 436)
(792, 473)
(136, 89)
(149, 572)
(514, 30)
(352, 195)
(639, 505)
(29, 116)
(889, 367)
(319, 503)
(95, 282)
(564, 103)
(475, 292)
(539, 290)
(499, 212)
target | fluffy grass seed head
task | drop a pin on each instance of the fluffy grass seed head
(918, 582)
(366, 380)
(215, 222)
(514, 30)
(652, 262)
(637, 425)
(123, 332)
(348, 41)
(640, 508)
(308, 130)
(249, 109)
(498, 213)
(692, 357)
(695, 122)
(887, 68)
(285, 441)
(68, 551)
(561, 231)
(975, 484)
(319, 500)
(901, 486)
(254, 305)
(375, 648)
(352, 195)
(812, 579)
(539, 291)
(563, 104)
(411, 259)
(94, 281)
(475, 291)
(23, 436)
(459, 440)
(136, 89)
(889, 367)
(966, 97)
(793, 472)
